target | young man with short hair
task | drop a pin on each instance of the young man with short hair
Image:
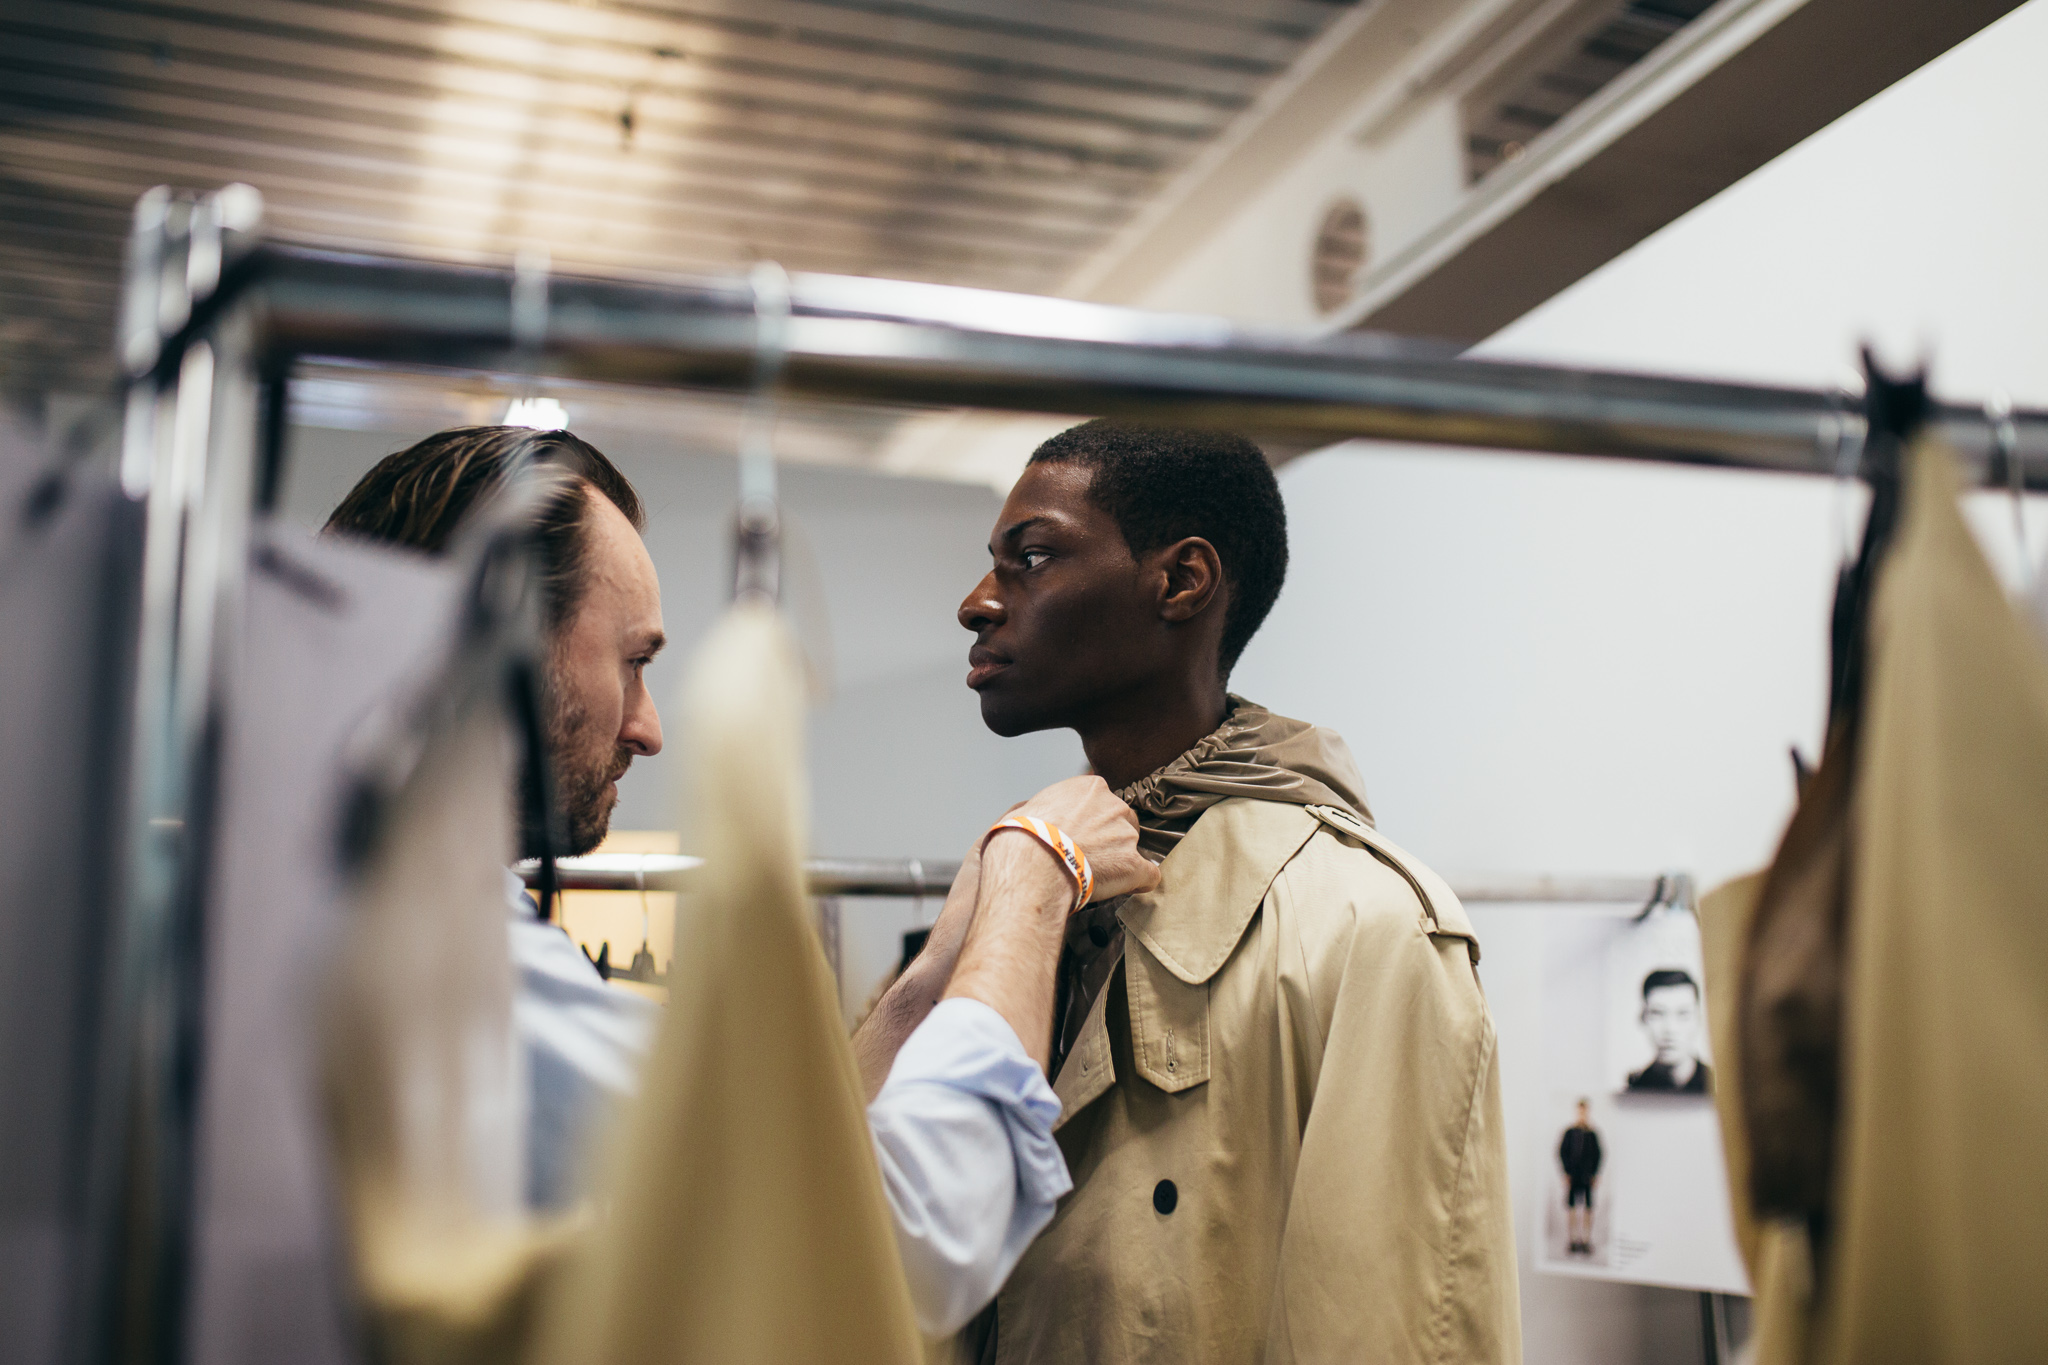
(1281, 1099)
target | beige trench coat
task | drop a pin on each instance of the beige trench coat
(1297, 1042)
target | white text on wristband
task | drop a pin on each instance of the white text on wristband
(1068, 852)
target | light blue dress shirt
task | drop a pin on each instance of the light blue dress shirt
(583, 1043)
(963, 1131)
(962, 1128)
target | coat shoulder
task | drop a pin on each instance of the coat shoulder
(1350, 877)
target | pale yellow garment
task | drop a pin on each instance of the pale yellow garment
(746, 1220)
(1255, 754)
(421, 1071)
(1774, 1251)
(1942, 1209)
(1940, 1197)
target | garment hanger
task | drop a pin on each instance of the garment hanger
(1844, 451)
(2008, 463)
(757, 530)
(1894, 411)
(1674, 891)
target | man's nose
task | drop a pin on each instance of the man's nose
(641, 731)
(983, 608)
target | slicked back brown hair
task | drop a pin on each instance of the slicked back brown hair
(420, 496)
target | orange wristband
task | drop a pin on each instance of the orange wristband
(1066, 850)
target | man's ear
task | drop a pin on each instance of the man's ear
(1193, 578)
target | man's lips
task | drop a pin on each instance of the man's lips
(983, 664)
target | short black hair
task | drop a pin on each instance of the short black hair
(419, 496)
(1668, 976)
(1161, 484)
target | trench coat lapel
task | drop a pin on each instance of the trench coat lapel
(1209, 888)
(1213, 882)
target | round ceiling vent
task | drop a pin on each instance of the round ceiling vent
(1343, 243)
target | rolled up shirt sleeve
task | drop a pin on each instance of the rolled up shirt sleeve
(963, 1131)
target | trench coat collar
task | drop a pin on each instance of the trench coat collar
(1213, 882)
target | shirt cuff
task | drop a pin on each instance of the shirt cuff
(968, 1046)
(963, 1132)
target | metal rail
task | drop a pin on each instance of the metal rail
(896, 342)
(909, 878)
(912, 878)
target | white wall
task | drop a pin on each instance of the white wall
(1595, 666)
(1578, 666)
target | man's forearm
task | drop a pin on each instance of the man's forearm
(919, 989)
(1012, 949)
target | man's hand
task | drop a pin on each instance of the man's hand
(1087, 812)
(1015, 923)
(1011, 956)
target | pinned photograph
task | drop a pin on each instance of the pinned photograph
(1633, 1185)
(1657, 1031)
(1578, 1221)
(1673, 1025)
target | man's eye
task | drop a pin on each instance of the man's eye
(1033, 558)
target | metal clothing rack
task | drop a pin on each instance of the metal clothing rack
(916, 879)
(892, 341)
(904, 878)
(214, 318)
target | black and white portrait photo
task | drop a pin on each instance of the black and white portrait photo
(1673, 1026)
(1657, 1041)
(1633, 1185)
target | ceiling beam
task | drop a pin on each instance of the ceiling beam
(1715, 104)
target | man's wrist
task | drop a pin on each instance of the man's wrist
(1013, 859)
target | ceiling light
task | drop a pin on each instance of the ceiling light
(542, 414)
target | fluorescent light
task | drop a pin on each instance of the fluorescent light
(542, 414)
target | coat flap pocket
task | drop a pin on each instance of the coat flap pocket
(1169, 1023)
(1089, 1070)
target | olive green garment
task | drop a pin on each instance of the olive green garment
(1941, 1206)
(1296, 1042)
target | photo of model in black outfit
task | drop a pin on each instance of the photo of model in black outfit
(1578, 1153)
(1626, 1148)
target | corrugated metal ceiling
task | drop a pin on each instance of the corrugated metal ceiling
(968, 141)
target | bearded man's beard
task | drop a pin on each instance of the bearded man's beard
(584, 767)
(583, 789)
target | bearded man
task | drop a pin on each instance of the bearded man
(1280, 1094)
(601, 621)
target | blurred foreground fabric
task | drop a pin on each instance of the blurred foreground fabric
(1938, 1220)
(746, 1221)
(741, 1216)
